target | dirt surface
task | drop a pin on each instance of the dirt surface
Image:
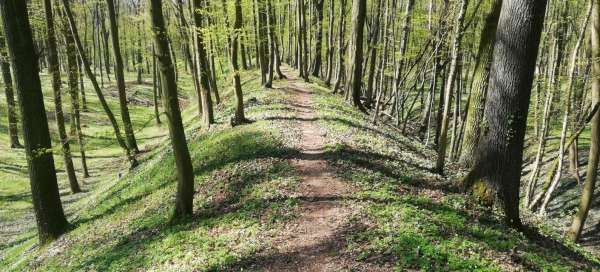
(313, 241)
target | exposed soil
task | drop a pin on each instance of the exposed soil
(314, 240)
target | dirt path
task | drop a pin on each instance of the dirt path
(312, 241)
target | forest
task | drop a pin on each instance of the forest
(299, 135)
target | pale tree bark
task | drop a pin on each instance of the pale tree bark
(587, 195)
(449, 87)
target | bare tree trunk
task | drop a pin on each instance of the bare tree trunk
(500, 157)
(86, 66)
(54, 70)
(355, 52)
(239, 117)
(185, 172)
(587, 194)
(456, 42)
(49, 214)
(119, 75)
(203, 68)
(10, 97)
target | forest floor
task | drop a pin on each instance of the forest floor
(310, 185)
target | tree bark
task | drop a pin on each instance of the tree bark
(13, 130)
(355, 52)
(587, 195)
(207, 112)
(54, 70)
(239, 117)
(318, 39)
(185, 172)
(479, 85)
(120, 77)
(49, 214)
(449, 87)
(86, 66)
(501, 152)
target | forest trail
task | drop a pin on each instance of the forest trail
(313, 240)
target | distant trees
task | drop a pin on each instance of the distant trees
(50, 218)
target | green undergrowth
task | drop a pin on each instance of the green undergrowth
(410, 216)
(124, 224)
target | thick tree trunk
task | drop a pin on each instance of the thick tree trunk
(374, 37)
(54, 70)
(587, 194)
(120, 77)
(49, 214)
(185, 172)
(341, 47)
(501, 152)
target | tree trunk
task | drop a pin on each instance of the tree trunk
(185, 172)
(13, 130)
(49, 214)
(120, 77)
(54, 70)
(355, 52)
(73, 77)
(449, 87)
(203, 69)
(155, 87)
(239, 117)
(501, 152)
(587, 194)
(341, 46)
(318, 39)
(330, 46)
(479, 85)
(86, 66)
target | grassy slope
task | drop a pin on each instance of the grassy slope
(123, 224)
(408, 218)
(411, 219)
